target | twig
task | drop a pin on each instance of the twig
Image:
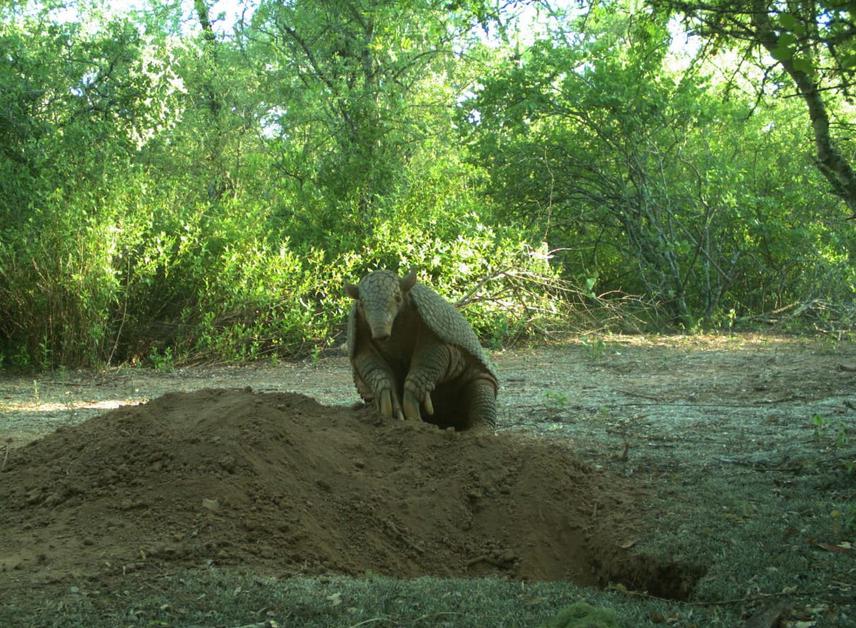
(737, 600)
(437, 614)
(754, 598)
(403, 537)
(54, 382)
(745, 463)
(464, 300)
(636, 394)
(5, 457)
(124, 314)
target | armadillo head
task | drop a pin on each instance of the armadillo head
(380, 296)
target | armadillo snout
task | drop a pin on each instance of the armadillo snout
(380, 324)
(381, 333)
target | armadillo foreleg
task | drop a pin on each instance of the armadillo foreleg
(433, 363)
(377, 375)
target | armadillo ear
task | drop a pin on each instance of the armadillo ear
(407, 282)
(352, 291)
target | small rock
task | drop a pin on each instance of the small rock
(227, 463)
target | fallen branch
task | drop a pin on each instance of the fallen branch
(825, 317)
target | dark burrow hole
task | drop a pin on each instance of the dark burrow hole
(652, 575)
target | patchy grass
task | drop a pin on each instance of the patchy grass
(216, 598)
(749, 443)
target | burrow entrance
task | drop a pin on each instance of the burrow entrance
(281, 484)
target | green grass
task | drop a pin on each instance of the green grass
(219, 598)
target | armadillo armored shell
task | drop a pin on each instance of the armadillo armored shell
(447, 323)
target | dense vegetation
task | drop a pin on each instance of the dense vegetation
(180, 184)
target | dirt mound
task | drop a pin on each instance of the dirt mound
(280, 484)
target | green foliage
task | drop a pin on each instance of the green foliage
(170, 196)
(834, 434)
(652, 182)
(583, 615)
(163, 362)
(556, 399)
(806, 46)
(595, 346)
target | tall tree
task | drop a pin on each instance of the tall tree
(354, 65)
(645, 179)
(813, 45)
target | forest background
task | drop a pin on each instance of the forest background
(191, 181)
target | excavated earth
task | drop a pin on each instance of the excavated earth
(277, 483)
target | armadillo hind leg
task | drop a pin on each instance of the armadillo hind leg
(480, 396)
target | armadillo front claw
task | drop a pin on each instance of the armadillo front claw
(411, 406)
(388, 405)
(385, 403)
(429, 406)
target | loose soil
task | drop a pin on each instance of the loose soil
(276, 482)
(639, 463)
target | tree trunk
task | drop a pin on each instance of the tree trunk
(831, 164)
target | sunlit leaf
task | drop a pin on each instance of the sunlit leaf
(787, 40)
(802, 64)
(791, 22)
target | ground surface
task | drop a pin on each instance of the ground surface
(718, 471)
